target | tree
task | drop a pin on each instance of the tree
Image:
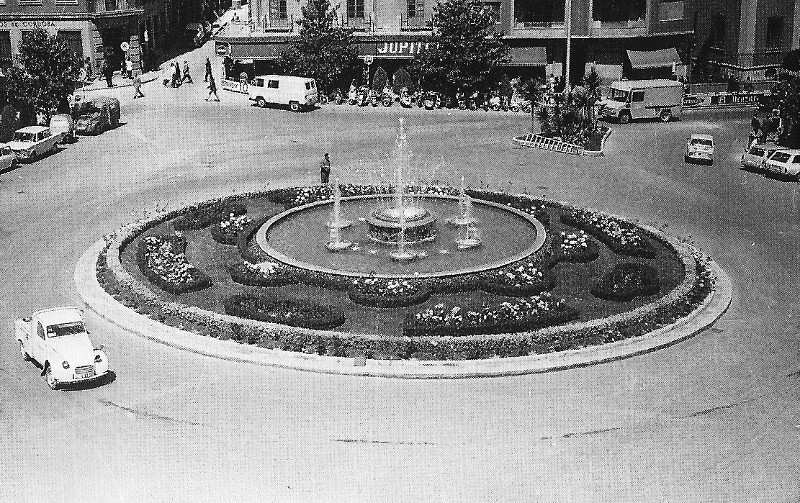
(592, 82)
(787, 94)
(531, 90)
(402, 79)
(322, 51)
(791, 61)
(379, 80)
(44, 76)
(464, 52)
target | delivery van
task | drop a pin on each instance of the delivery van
(643, 99)
(296, 92)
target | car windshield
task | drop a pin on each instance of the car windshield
(796, 159)
(703, 142)
(619, 95)
(71, 328)
(780, 156)
(18, 136)
(757, 151)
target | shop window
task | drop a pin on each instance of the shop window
(355, 9)
(539, 11)
(73, 41)
(618, 11)
(774, 32)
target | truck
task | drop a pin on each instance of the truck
(57, 339)
(643, 99)
(296, 92)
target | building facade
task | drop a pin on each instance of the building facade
(99, 29)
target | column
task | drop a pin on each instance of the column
(747, 32)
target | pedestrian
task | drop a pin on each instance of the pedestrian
(325, 169)
(208, 70)
(178, 74)
(128, 67)
(166, 75)
(137, 85)
(108, 72)
(755, 124)
(212, 88)
(88, 66)
(187, 77)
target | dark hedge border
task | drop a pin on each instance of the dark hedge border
(498, 287)
(244, 276)
(203, 216)
(421, 293)
(413, 328)
(200, 280)
(626, 281)
(645, 250)
(271, 310)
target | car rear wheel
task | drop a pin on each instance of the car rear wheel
(48, 374)
(261, 102)
(666, 115)
(624, 118)
(25, 356)
(14, 163)
(294, 106)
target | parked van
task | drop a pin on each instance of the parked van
(644, 99)
(296, 92)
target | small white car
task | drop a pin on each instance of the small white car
(8, 160)
(700, 148)
(57, 339)
(783, 162)
(754, 156)
(32, 142)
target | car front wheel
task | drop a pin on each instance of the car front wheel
(294, 106)
(665, 115)
(624, 118)
(261, 102)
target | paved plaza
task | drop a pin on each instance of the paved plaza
(712, 418)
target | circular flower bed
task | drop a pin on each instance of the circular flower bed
(503, 312)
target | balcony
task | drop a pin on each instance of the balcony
(611, 29)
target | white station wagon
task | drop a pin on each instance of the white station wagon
(32, 142)
(57, 339)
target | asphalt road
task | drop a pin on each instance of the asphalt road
(714, 418)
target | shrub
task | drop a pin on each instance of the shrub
(575, 247)
(294, 313)
(622, 237)
(267, 274)
(202, 217)
(402, 79)
(162, 260)
(520, 279)
(626, 281)
(388, 292)
(526, 204)
(518, 316)
(227, 230)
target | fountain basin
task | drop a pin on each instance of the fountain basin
(421, 227)
(298, 237)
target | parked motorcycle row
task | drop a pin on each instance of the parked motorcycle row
(364, 96)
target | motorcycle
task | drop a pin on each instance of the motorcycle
(462, 102)
(374, 99)
(336, 97)
(430, 100)
(352, 95)
(387, 98)
(494, 103)
(420, 99)
(363, 96)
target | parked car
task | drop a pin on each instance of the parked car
(96, 115)
(754, 156)
(296, 92)
(32, 142)
(700, 148)
(8, 160)
(57, 339)
(784, 162)
(63, 126)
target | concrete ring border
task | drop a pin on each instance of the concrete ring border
(98, 300)
(261, 239)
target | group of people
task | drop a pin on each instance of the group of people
(172, 76)
(764, 128)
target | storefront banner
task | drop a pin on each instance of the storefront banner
(400, 49)
(237, 86)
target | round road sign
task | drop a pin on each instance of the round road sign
(124, 46)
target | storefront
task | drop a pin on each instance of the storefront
(75, 33)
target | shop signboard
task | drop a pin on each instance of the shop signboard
(393, 49)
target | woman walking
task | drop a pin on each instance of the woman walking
(212, 88)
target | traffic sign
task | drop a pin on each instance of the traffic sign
(369, 59)
(124, 46)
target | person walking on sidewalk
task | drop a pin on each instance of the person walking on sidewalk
(128, 67)
(208, 71)
(166, 75)
(187, 77)
(137, 85)
(108, 73)
(325, 169)
(212, 88)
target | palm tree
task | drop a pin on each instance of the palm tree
(531, 90)
(591, 83)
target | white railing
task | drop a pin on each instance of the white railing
(534, 140)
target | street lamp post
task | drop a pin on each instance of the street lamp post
(568, 29)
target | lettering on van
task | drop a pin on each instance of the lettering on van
(402, 48)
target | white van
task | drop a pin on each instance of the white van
(644, 99)
(296, 92)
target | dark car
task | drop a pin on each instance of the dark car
(96, 115)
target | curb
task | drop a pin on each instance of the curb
(599, 153)
(98, 300)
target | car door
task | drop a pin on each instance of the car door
(37, 342)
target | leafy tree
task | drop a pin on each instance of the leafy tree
(379, 80)
(322, 50)
(791, 61)
(465, 52)
(8, 123)
(787, 94)
(44, 76)
(591, 84)
(402, 79)
(531, 90)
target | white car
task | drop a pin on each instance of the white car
(700, 148)
(754, 156)
(784, 162)
(32, 142)
(8, 160)
(57, 339)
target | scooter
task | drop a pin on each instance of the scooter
(388, 96)
(374, 99)
(352, 95)
(405, 98)
(363, 96)
(494, 103)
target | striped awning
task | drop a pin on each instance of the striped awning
(654, 59)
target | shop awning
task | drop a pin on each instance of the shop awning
(654, 59)
(527, 56)
(256, 50)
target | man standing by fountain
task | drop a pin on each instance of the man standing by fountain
(325, 169)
